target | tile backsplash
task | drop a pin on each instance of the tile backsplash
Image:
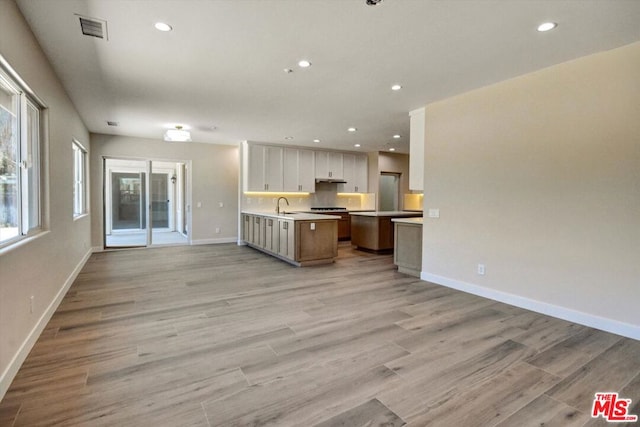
(326, 195)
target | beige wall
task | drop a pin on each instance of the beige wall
(43, 267)
(214, 179)
(538, 178)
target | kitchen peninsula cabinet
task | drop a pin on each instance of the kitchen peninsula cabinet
(407, 254)
(373, 231)
(300, 239)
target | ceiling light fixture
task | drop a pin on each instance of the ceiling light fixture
(547, 26)
(288, 70)
(392, 149)
(396, 87)
(396, 136)
(161, 26)
(352, 129)
(177, 135)
(288, 138)
(356, 145)
(316, 140)
(304, 63)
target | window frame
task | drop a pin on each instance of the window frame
(80, 174)
(30, 166)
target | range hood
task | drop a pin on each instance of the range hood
(331, 180)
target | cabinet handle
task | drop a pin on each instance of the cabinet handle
(330, 174)
(285, 225)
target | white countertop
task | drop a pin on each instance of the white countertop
(389, 213)
(416, 221)
(296, 216)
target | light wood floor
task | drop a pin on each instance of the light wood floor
(226, 336)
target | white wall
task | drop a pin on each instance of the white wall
(44, 267)
(214, 179)
(538, 178)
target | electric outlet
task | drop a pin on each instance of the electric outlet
(313, 225)
(434, 213)
(31, 304)
(199, 204)
(481, 269)
(217, 230)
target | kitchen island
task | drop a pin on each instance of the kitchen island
(373, 231)
(298, 238)
(407, 254)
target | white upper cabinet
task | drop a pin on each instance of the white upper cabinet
(265, 168)
(299, 168)
(329, 165)
(355, 172)
(416, 149)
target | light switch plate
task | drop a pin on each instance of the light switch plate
(434, 213)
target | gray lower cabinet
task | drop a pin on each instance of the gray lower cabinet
(407, 254)
(286, 239)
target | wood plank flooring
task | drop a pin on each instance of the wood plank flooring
(224, 335)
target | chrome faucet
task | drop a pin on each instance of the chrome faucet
(278, 204)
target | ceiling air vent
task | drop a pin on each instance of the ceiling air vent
(93, 27)
(110, 123)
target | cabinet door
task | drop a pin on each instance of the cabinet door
(286, 240)
(273, 171)
(361, 174)
(265, 168)
(306, 171)
(322, 164)
(256, 165)
(290, 172)
(257, 232)
(335, 165)
(246, 227)
(271, 235)
(355, 168)
(328, 164)
(348, 173)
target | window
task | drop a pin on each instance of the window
(20, 147)
(79, 179)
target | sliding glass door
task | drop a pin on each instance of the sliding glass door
(144, 203)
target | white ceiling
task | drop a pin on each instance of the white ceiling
(222, 65)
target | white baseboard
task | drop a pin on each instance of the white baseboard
(569, 314)
(97, 249)
(18, 359)
(214, 241)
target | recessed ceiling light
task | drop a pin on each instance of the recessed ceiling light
(396, 136)
(288, 70)
(288, 138)
(392, 149)
(304, 63)
(352, 129)
(356, 145)
(396, 87)
(316, 140)
(161, 26)
(547, 26)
